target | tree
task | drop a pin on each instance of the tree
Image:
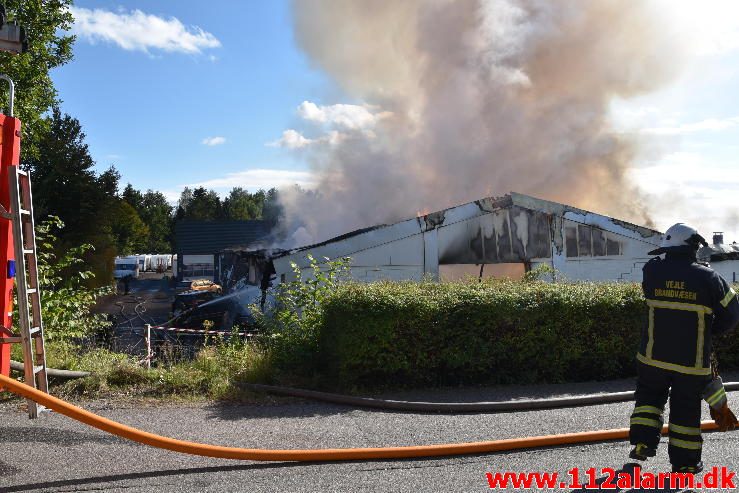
(240, 205)
(130, 233)
(46, 23)
(272, 209)
(199, 205)
(133, 197)
(108, 181)
(156, 214)
(184, 203)
(64, 180)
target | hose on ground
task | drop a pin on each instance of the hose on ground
(53, 372)
(322, 455)
(453, 407)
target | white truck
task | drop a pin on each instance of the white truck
(126, 266)
(161, 262)
(144, 262)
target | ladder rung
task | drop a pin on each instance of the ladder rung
(20, 172)
(37, 369)
(25, 211)
(30, 290)
(34, 331)
(11, 340)
(27, 252)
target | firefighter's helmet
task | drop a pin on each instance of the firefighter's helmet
(680, 235)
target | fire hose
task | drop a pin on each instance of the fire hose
(321, 455)
(53, 372)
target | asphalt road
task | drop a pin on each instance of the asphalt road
(57, 454)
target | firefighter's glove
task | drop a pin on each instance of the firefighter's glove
(724, 418)
(715, 395)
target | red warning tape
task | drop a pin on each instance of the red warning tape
(199, 331)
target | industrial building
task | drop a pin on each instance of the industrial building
(198, 244)
(503, 236)
(515, 230)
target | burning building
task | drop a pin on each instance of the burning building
(514, 231)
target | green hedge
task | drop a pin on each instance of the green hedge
(402, 334)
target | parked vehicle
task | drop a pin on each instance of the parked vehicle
(160, 262)
(126, 266)
(205, 285)
(144, 262)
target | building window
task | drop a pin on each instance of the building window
(613, 247)
(582, 240)
(599, 242)
(198, 270)
(571, 241)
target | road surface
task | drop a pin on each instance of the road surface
(57, 454)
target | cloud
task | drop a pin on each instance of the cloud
(352, 118)
(291, 139)
(172, 196)
(263, 178)
(707, 125)
(214, 141)
(137, 31)
(348, 116)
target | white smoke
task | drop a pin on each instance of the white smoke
(471, 98)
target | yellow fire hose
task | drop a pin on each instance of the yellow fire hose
(193, 448)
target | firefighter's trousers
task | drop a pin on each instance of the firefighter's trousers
(653, 386)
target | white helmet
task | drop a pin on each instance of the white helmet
(679, 235)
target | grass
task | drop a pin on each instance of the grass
(212, 374)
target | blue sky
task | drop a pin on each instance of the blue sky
(148, 110)
(198, 96)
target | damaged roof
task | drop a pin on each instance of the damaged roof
(482, 207)
(717, 252)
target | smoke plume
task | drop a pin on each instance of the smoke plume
(474, 98)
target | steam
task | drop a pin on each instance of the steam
(476, 98)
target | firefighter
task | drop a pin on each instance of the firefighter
(688, 304)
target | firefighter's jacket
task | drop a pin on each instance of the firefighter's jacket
(688, 303)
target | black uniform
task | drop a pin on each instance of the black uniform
(688, 304)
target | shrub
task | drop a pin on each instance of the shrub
(497, 331)
(292, 328)
(65, 300)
